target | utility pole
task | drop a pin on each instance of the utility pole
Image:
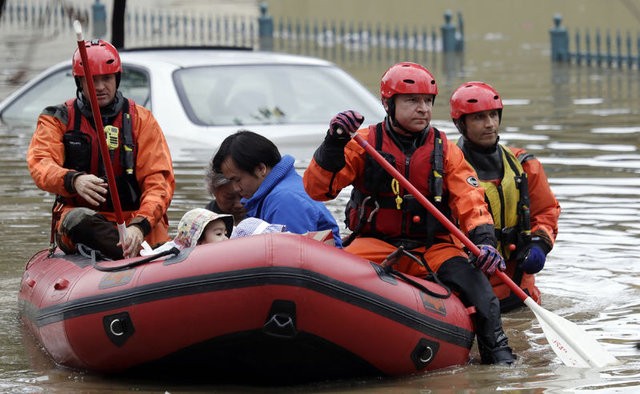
(117, 23)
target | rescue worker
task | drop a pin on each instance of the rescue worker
(383, 217)
(525, 210)
(63, 158)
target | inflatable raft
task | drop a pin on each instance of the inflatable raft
(269, 308)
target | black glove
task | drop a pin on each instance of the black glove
(343, 126)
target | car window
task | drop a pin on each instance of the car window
(54, 89)
(270, 94)
(60, 86)
(135, 85)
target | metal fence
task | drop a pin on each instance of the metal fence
(146, 27)
(594, 48)
(356, 41)
(44, 18)
(328, 39)
(333, 40)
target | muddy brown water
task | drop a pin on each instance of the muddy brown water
(584, 125)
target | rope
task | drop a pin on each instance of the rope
(393, 258)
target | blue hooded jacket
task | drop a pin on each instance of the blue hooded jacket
(281, 199)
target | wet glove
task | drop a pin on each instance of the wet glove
(489, 260)
(343, 126)
(533, 260)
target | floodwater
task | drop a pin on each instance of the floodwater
(583, 124)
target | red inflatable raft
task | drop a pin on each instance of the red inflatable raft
(275, 307)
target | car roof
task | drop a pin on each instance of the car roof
(200, 56)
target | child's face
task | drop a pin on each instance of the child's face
(214, 232)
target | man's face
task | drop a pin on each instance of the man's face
(245, 183)
(413, 111)
(105, 88)
(482, 127)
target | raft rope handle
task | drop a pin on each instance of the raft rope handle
(392, 260)
(173, 251)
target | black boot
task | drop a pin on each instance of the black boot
(500, 354)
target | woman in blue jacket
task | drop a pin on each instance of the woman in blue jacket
(270, 187)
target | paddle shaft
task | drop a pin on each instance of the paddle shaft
(102, 141)
(434, 211)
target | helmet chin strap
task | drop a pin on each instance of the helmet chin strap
(462, 128)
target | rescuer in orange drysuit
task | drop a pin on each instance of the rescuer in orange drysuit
(64, 159)
(525, 210)
(383, 216)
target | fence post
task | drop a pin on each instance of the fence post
(448, 31)
(460, 34)
(578, 56)
(99, 19)
(265, 28)
(559, 41)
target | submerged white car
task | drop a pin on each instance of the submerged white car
(201, 95)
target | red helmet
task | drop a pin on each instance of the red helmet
(473, 97)
(103, 59)
(407, 78)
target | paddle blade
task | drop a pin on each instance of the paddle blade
(574, 346)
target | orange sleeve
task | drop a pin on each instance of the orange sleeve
(154, 168)
(466, 197)
(45, 155)
(545, 209)
(323, 185)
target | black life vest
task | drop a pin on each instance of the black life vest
(82, 153)
(379, 207)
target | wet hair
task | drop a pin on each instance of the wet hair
(247, 149)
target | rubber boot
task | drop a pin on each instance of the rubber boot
(500, 354)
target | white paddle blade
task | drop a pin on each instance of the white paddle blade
(572, 345)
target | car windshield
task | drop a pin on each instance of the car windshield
(241, 95)
(60, 86)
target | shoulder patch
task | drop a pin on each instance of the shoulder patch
(473, 181)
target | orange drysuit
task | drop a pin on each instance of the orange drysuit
(152, 166)
(545, 209)
(390, 224)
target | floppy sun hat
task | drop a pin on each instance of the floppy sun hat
(194, 222)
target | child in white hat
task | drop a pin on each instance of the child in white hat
(197, 227)
(202, 226)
